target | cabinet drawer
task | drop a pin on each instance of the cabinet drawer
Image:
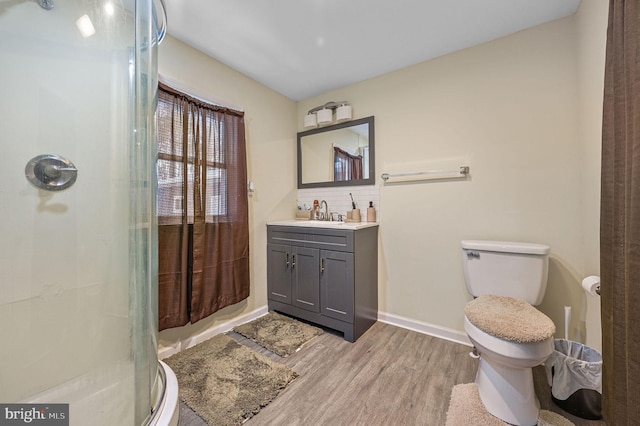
(320, 238)
(278, 236)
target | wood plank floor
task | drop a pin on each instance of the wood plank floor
(390, 376)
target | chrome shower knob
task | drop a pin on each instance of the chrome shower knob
(51, 172)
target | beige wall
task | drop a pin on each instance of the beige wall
(510, 109)
(592, 28)
(271, 130)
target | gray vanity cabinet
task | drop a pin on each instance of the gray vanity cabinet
(325, 276)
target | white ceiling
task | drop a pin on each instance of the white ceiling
(302, 48)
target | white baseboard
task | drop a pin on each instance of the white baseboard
(396, 320)
(167, 351)
(425, 328)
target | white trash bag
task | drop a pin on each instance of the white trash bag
(575, 366)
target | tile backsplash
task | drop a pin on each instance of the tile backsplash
(339, 201)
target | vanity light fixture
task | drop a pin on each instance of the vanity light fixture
(343, 113)
(310, 120)
(323, 115)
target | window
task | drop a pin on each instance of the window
(171, 162)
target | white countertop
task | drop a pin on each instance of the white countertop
(323, 224)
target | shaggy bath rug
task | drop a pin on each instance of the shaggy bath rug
(278, 333)
(226, 383)
(466, 408)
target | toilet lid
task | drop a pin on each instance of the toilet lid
(509, 319)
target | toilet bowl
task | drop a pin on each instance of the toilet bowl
(505, 378)
(509, 334)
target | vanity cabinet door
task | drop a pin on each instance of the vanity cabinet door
(306, 278)
(336, 285)
(279, 259)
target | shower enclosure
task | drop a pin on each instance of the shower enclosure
(78, 285)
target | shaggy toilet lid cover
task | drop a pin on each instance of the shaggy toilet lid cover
(509, 319)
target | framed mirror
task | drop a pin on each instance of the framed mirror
(338, 155)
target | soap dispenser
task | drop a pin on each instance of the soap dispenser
(371, 213)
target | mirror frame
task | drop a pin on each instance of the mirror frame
(372, 159)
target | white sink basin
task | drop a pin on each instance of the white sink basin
(323, 224)
(320, 223)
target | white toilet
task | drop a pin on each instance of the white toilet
(510, 335)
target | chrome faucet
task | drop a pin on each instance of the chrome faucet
(325, 215)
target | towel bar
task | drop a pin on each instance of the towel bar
(461, 172)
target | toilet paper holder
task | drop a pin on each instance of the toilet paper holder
(591, 285)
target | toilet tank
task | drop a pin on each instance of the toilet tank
(506, 269)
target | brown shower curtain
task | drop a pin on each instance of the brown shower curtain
(203, 232)
(346, 166)
(620, 217)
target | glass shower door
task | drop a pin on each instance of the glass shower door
(77, 263)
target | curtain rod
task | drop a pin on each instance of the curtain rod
(195, 93)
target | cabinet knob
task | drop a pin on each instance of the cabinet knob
(293, 261)
(321, 264)
(287, 261)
